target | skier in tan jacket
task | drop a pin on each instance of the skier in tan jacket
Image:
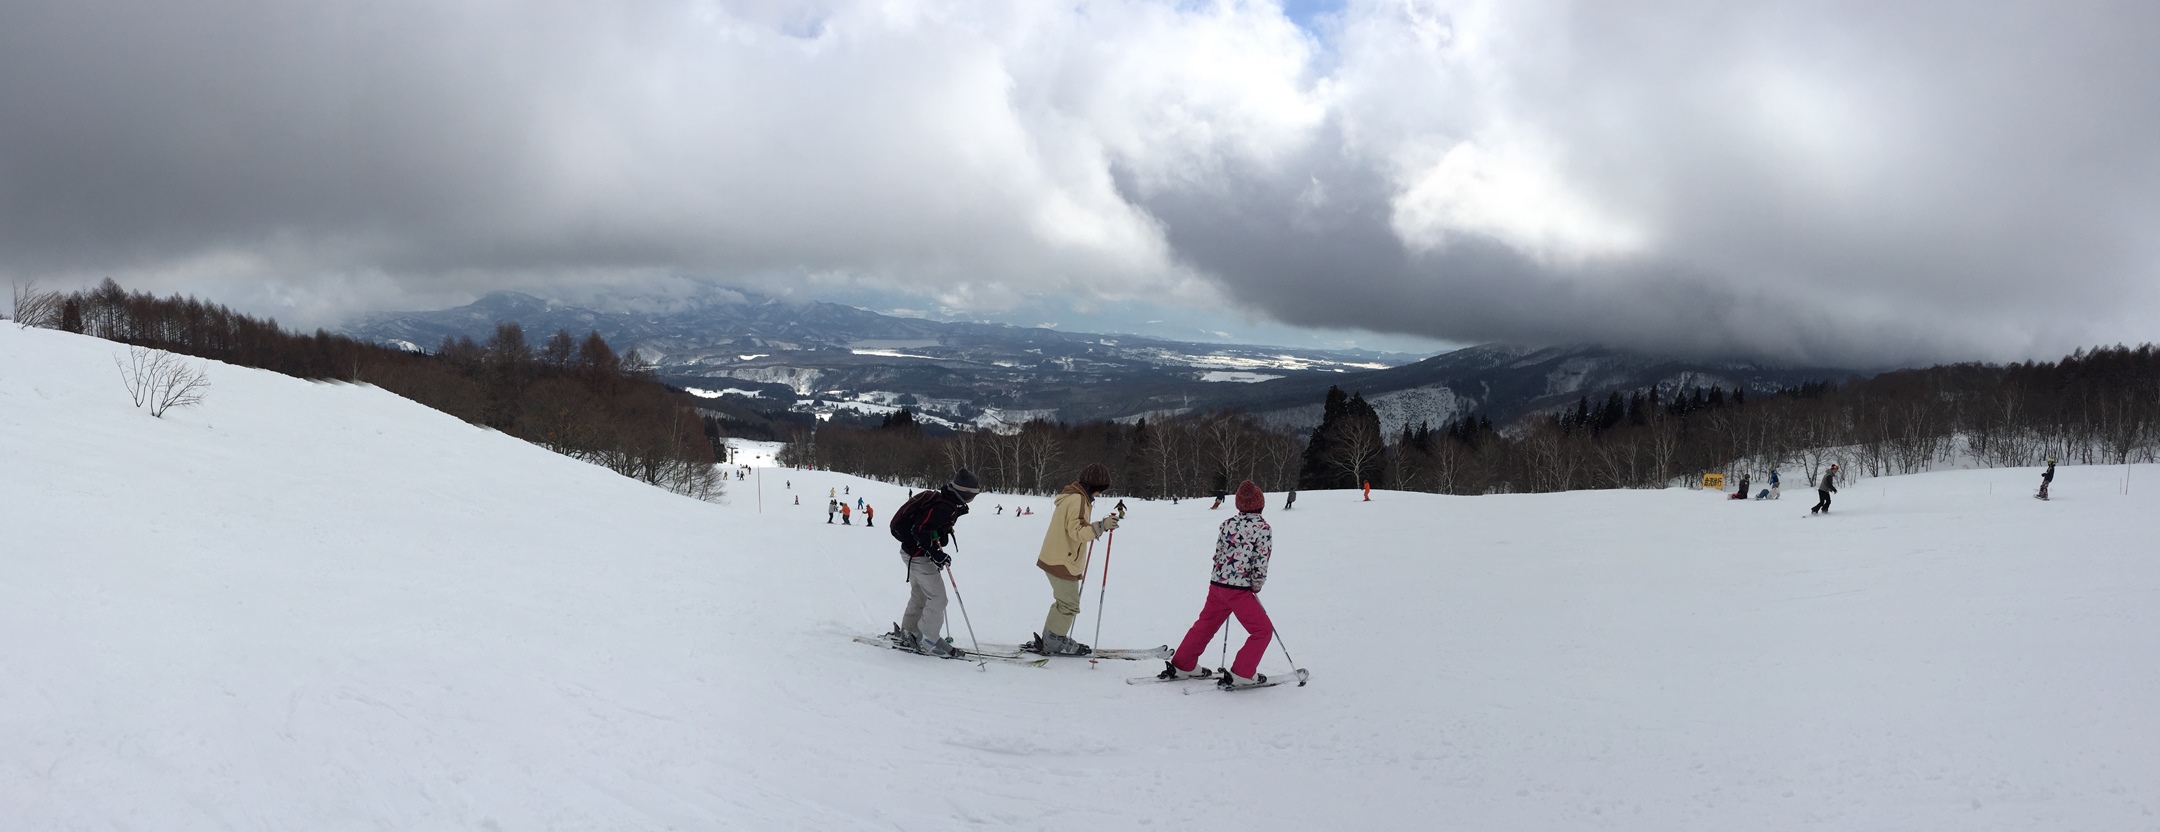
(1064, 559)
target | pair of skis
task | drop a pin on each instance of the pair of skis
(1218, 676)
(965, 656)
(1135, 654)
(1013, 654)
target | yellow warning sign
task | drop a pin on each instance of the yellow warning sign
(1714, 482)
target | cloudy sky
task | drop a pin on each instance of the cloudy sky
(1863, 183)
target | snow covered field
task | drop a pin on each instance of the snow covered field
(319, 606)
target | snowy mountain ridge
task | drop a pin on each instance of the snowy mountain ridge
(827, 359)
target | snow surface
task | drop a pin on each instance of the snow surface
(319, 606)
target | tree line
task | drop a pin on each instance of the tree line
(2097, 406)
(574, 396)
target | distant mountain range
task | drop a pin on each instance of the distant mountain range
(826, 358)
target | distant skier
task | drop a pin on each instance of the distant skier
(1242, 550)
(1827, 487)
(868, 515)
(1218, 501)
(1001, 508)
(923, 525)
(1368, 491)
(1064, 558)
(845, 512)
(832, 507)
(1290, 501)
(2047, 478)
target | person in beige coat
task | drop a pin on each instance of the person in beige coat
(1064, 559)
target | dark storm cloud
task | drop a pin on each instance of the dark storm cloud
(1863, 183)
(1859, 183)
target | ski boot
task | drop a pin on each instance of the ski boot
(1232, 681)
(1052, 644)
(1171, 673)
(942, 648)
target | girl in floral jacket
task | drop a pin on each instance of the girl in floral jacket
(1241, 563)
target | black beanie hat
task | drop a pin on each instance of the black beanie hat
(964, 480)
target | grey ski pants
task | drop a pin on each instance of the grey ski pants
(926, 598)
(1064, 606)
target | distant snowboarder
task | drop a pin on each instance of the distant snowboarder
(1290, 501)
(1242, 550)
(1827, 487)
(923, 525)
(2047, 478)
(1064, 558)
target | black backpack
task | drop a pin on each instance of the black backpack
(903, 522)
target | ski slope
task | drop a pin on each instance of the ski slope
(319, 606)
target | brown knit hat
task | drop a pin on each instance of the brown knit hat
(1249, 498)
(1096, 475)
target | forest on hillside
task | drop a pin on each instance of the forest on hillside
(576, 396)
(2096, 406)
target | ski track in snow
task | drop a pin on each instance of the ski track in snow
(317, 605)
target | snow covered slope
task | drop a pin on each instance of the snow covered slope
(317, 606)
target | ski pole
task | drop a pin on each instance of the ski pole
(1294, 669)
(1103, 589)
(963, 610)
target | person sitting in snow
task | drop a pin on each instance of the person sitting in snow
(1741, 492)
(1242, 550)
(923, 525)
(1064, 558)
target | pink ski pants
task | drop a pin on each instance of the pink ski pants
(1223, 602)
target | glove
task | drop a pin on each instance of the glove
(940, 558)
(1107, 524)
